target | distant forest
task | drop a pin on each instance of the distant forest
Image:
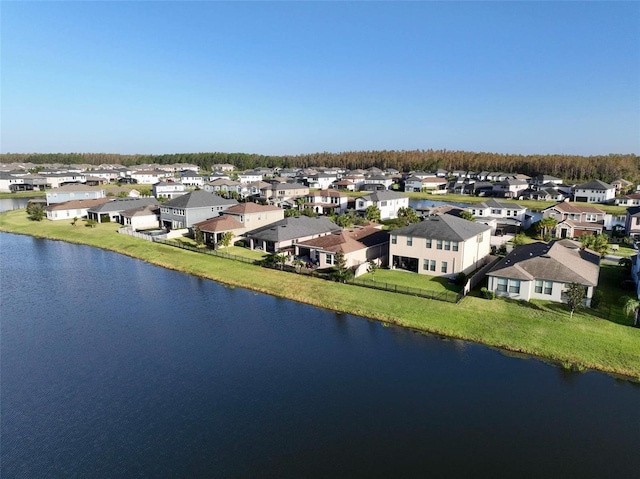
(568, 167)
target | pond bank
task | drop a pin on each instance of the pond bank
(543, 330)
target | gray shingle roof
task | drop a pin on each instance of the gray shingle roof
(595, 185)
(294, 227)
(561, 261)
(383, 195)
(444, 227)
(199, 199)
(122, 204)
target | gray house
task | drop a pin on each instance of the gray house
(74, 192)
(185, 210)
(286, 232)
(113, 210)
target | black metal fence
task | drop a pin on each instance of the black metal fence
(448, 296)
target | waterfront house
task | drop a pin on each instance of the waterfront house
(141, 217)
(509, 217)
(595, 191)
(441, 245)
(545, 271)
(237, 219)
(72, 209)
(388, 202)
(415, 183)
(112, 210)
(632, 199)
(575, 219)
(510, 188)
(359, 245)
(149, 177)
(184, 211)
(284, 233)
(74, 192)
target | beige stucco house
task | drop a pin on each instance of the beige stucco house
(441, 245)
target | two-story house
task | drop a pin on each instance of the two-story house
(509, 217)
(184, 211)
(326, 201)
(510, 188)
(574, 220)
(148, 177)
(249, 177)
(388, 202)
(595, 191)
(164, 189)
(441, 245)
(279, 193)
(192, 179)
(632, 222)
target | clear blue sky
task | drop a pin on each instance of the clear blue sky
(303, 77)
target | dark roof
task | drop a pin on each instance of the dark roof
(294, 227)
(493, 203)
(383, 195)
(122, 204)
(595, 185)
(444, 227)
(199, 199)
(562, 261)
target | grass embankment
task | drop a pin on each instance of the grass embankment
(532, 205)
(541, 329)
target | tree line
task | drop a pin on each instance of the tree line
(568, 167)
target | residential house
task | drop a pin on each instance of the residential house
(621, 185)
(284, 233)
(545, 271)
(575, 220)
(358, 245)
(223, 186)
(632, 222)
(541, 180)
(415, 183)
(141, 217)
(509, 217)
(321, 180)
(56, 180)
(74, 192)
(249, 177)
(380, 181)
(343, 184)
(112, 210)
(168, 190)
(148, 177)
(238, 219)
(191, 179)
(632, 199)
(9, 183)
(72, 209)
(326, 201)
(388, 202)
(226, 167)
(441, 245)
(184, 211)
(279, 193)
(510, 188)
(595, 191)
(544, 193)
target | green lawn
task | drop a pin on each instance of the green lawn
(244, 252)
(23, 194)
(412, 280)
(538, 328)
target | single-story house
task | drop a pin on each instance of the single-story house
(72, 209)
(545, 271)
(290, 230)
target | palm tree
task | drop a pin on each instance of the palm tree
(631, 307)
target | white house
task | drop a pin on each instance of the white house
(148, 177)
(595, 191)
(74, 192)
(72, 209)
(192, 179)
(326, 201)
(249, 177)
(164, 189)
(388, 202)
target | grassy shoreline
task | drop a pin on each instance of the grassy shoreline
(540, 329)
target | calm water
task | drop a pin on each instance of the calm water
(115, 368)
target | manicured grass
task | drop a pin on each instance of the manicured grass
(23, 194)
(412, 280)
(539, 328)
(244, 252)
(532, 205)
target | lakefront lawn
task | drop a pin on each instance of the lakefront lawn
(541, 329)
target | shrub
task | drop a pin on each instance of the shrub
(487, 293)
(596, 299)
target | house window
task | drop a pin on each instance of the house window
(409, 240)
(447, 245)
(514, 286)
(425, 264)
(443, 268)
(548, 286)
(439, 244)
(383, 203)
(394, 239)
(538, 286)
(454, 245)
(329, 258)
(502, 285)
(432, 265)
(508, 212)
(428, 243)
(591, 217)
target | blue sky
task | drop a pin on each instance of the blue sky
(303, 77)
